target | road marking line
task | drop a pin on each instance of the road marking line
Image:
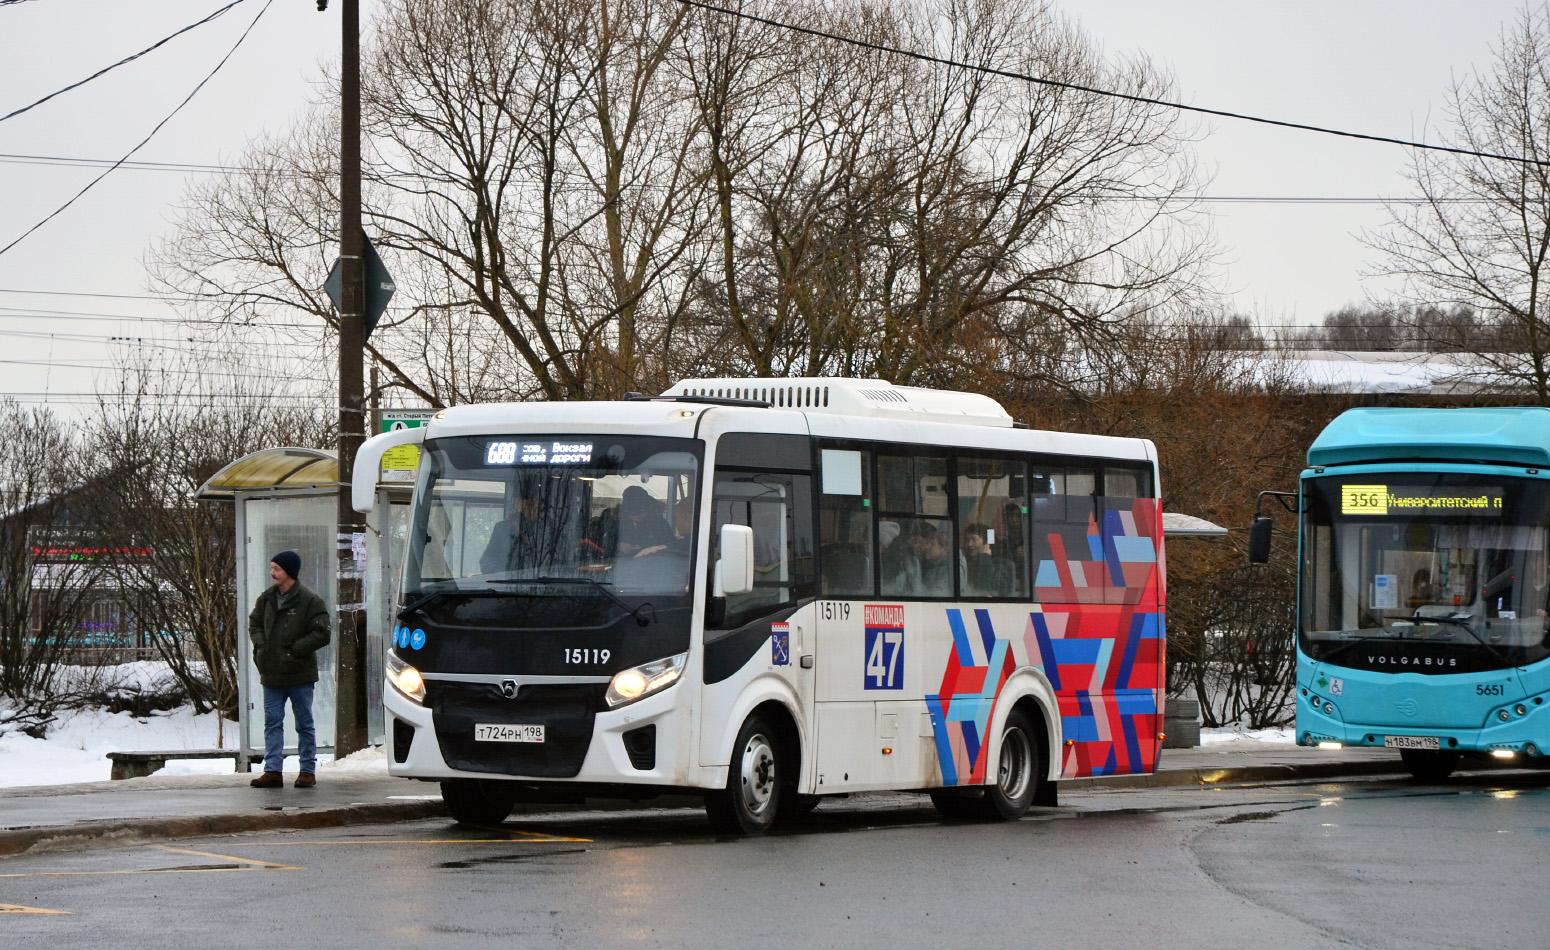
(531, 835)
(292, 844)
(540, 836)
(252, 865)
(203, 870)
(266, 865)
(19, 909)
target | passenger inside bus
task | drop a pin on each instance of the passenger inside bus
(935, 559)
(919, 561)
(683, 529)
(642, 529)
(984, 574)
(517, 540)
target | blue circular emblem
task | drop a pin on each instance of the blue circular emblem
(401, 637)
(417, 639)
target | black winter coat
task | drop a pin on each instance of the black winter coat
(286, 639)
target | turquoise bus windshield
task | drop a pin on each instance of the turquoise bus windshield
(1453, 563)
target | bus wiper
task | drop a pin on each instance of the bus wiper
(427, 599)
(643, 614)
(1464, 622)
(1349, 643)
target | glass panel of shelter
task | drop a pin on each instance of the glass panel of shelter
(305, 524)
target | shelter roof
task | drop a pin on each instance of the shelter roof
(287, 467)
(1177, 525)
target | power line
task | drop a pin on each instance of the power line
(51, 161)
(19, 313)
(186, 167)
(84, 398)
(163, 298)
(61, 161)
(1076, 87)
(128, 59)
(148, 137)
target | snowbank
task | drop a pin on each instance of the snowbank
(1282, 735)
(77, 746)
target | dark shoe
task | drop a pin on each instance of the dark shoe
(306, 780)
(269, 780)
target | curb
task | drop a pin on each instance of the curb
(1164, 778)
(88, 833)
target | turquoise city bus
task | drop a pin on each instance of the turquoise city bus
(1422, 585)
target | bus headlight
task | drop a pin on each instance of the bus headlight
(630, 685)
(405, 678)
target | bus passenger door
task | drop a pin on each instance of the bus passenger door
(768, 630)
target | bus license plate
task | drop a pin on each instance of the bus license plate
(1411, 742)
(507, 732)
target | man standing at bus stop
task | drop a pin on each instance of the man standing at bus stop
(288, 626)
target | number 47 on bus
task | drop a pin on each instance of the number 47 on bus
(884, 658)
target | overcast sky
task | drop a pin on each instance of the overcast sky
(1378, 67)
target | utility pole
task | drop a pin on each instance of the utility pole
(350, 652)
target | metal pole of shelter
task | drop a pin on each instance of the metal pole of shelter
(350, 715)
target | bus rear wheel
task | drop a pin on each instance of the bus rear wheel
(1018, 773)
(1427, 765)
(751, 800)
(478, 801)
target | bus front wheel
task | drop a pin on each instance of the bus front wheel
(478, 801)
(1427, 765)
(749, 803)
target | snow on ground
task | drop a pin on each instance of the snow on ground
(1223, 737)
(77, 746)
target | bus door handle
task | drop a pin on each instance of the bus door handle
(807, 661)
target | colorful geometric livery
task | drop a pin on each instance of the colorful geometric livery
(1098, 638)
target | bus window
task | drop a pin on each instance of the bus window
(777, 507)
(915, 536)
(845, 523)
(992, 500)
(1124, 540)
(1126, 482)
(1064, 532)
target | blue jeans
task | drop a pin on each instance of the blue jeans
(274, 726)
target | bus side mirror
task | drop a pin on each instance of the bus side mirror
(734, 571)
(1259, 541)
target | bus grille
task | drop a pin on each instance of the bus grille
(565, 711)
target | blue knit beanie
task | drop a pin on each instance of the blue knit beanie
(290, 563)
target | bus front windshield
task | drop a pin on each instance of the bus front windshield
(541, 516)
(1457, 560)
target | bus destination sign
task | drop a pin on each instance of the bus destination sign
(538, 453)
(1386, 501)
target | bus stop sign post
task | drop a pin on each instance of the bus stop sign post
(350, 652)
(379, 287)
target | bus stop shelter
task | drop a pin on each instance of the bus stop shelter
(287, 498)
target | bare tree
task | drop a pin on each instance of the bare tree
(580, 199)
(46, 570)
(167, 429)
(1480, 236)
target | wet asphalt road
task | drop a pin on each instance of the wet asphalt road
(1374, 864)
